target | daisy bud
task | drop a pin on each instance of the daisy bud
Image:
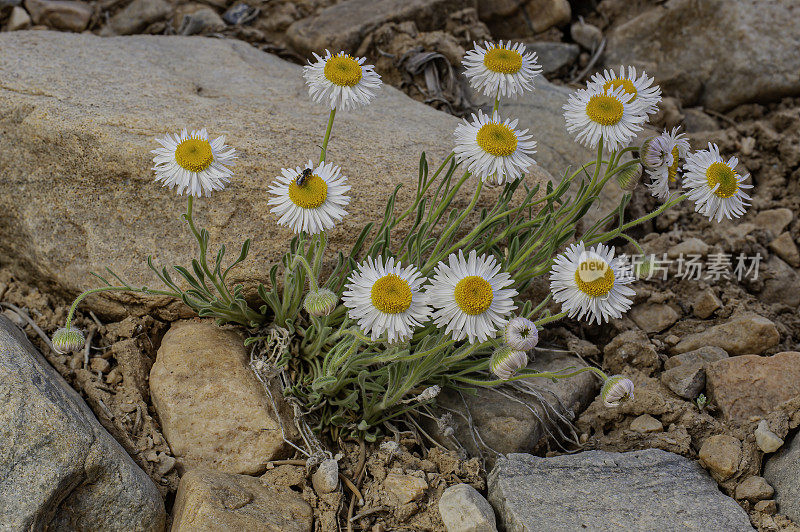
(521, 334)
(320, 302)
(629, 178)
(505, 362)
(67, 339)
(429, 393)
(652, 153)
(616, 390)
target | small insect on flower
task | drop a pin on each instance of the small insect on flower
(320, 302)
(493, 149)
(470, 296)
(66, 340)
(521, 334)
(193, 163)
(616, 390)
(501, 69)
(384, 297)
(506, 361)
(313, 203)
(346, 82)
(591, 283)
(611, 115)
(641, 87)
(661, 156)
(714, 185)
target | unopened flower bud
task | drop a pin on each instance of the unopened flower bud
(67, 339)
(505, 362)
(653, 153)
(629, 178)
(616, 390)
(320, 302)
(520, 334)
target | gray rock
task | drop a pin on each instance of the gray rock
(554, 56)
(754, 489)
(67, 15)
(700, 357)
(593, 490)
(137, 15)
(240, 14)
(344, 25)
(59, 468)
(686, 380)
(653, 317)
(784, 246)
(774, 220)
(18, 20)
(463, 509)
(201, 20)
(725, 55)
(781, 283)
(694, 120)
(587, 35)
(326, 478)
(510, 421)
(782, 471)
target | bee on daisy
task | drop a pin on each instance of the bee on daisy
(193, 163)
(470, 296)
(343, 81)
(641, 87)
(714, 185)
(501, 69)
(310, 203)
(611, 115)
(591, 283)
(383, 297)
(493, 149)
(661, 156)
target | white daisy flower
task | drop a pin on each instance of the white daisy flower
(386, 298)
(192, 163)
(714, 185)
(310, 203)
(591, 283)
(343, 80)
(612, 115)
(661, 157)
(471, 296)
(505, 69)
(644, 92)
(494, 150)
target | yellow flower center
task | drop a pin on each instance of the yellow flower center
(502, 61)
(497, 139)
(721, 173)
(594, 278)
(391, 294)
(343, 70)
(672, 170)
(311, 194)
(474, 295)
(194, 154)
(605, 110)
(624, 83)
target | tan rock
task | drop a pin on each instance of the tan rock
(214, 412)
(212, 501)
(630, 349)
(653, 317)
(768, 507)
(68, 15)
(721, 455)
(743, 334)
(403, 489)
(646, 423)
(18, 20)
(545, 14)
(774, 220)
(699, 357)
(706, 303)
(767, 441)
(747, 386)
(137, 15)
(585, 34)
(690, 246)
(754, 489)
(785, 247)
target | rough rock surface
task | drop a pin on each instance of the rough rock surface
(781, 471)
(78, 156)
(509, 421)
(744, 334)
(640, 490)
(463, 509)
(59, 468)
(212, 501)
(727, 53)
(751, 385)
(214, 412)
(721, 454)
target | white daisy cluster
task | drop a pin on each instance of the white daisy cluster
(467, 297)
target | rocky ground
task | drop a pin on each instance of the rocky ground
(715, 360)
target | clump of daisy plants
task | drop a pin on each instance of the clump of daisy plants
(377, 338)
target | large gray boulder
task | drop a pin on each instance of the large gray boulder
(597, 490)
(78, 118)
(782, 472)
(59, 468)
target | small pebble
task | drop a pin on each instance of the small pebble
(326, 478)
(99, 364)
(646, 423)
(240, 14)
(767, 441)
